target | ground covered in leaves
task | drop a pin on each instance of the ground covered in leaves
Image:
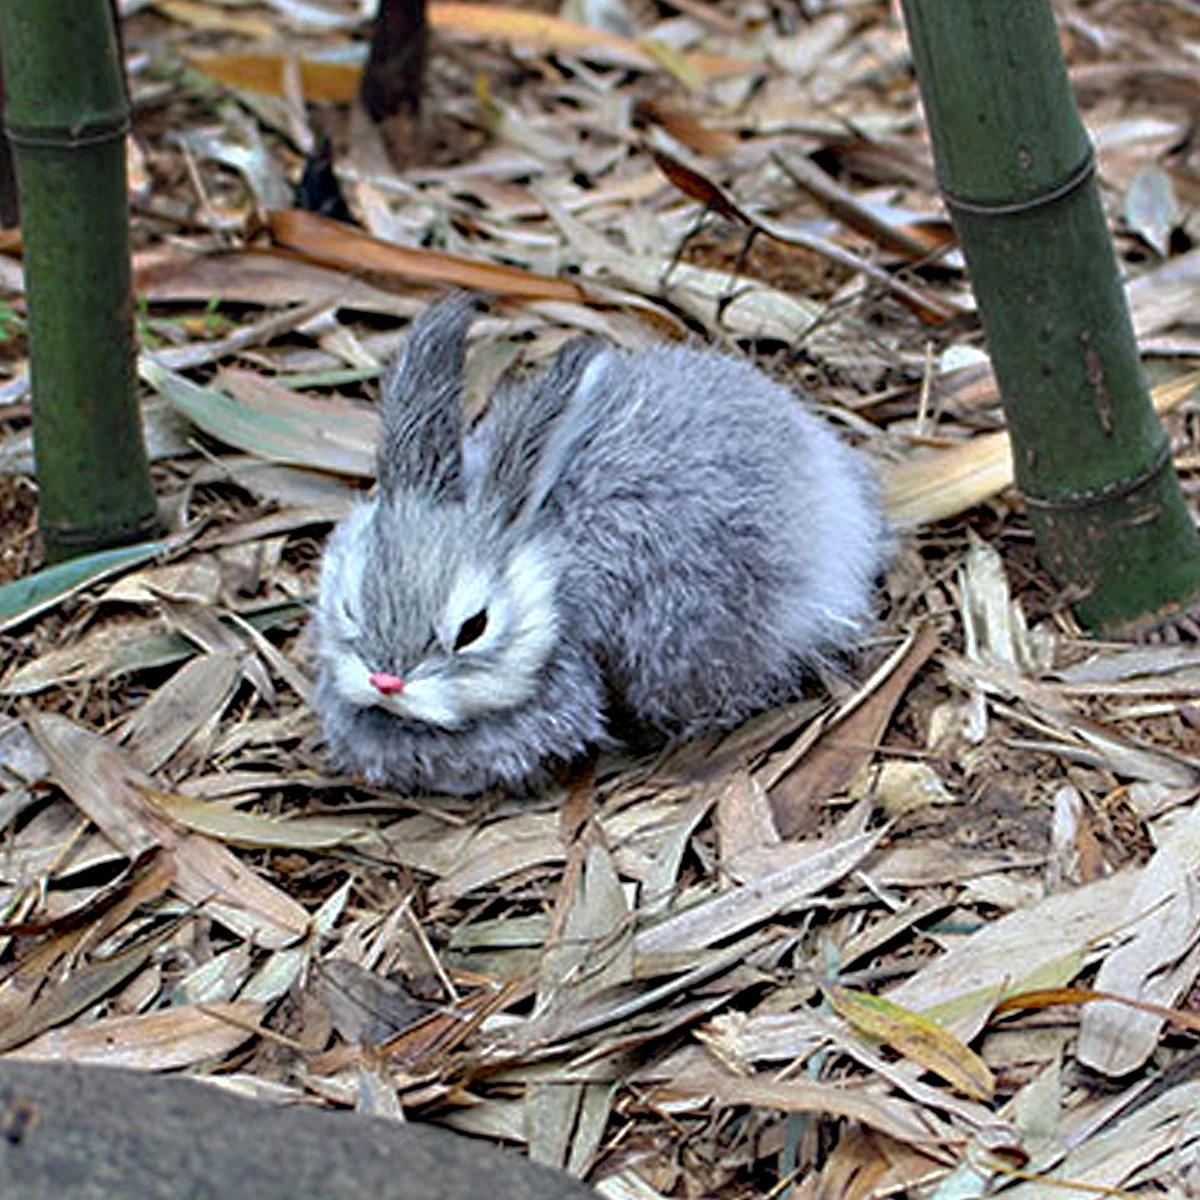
(780, 960)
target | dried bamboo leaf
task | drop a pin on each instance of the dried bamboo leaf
(720, 300)
(649, 843)
(692, 182)
(1165, 295)
(846, 746)
(238, 828)
(111, 650)
(1152, 209)
(275, 978)
(627, 1185)
(96, 779)
(338, 423)
(744, 821)
(735, 911)
(101, 652)
(207, 874)
(423, 843)
(316, 492)
(908, 1078)
(943, 483)
(595, 1112)
(609, 1009)
(180, 708)
(1056, 997)
(594, 947)
(1088, 740)
(331, 82)
(366, 1008)
(1122, 664)
(960, 988)
(217, 981)
(501, 1120)
(214, 19)
(108, 788)
(905, 1122)
(21, 758)
(106, 907)
(502, 849)
(874, 937)
(924, 864)
(197, 579)
(905, 787)
(917, 1038)
(1149, 1144)
(256, 277)
(1158, 962)
(339, 82)
(176, 1037)
(332, 243)
(866, 1164)
(994, 626)
(551, 1110)
(82, 988)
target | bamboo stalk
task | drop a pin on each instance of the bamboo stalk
(67, 116)
(1017, 171)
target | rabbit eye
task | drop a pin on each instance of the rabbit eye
(471, 630)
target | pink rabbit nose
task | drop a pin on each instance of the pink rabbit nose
(387, 684)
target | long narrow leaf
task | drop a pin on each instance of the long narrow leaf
(25, 598)
(268, 430)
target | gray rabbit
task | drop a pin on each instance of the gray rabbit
(664, 539)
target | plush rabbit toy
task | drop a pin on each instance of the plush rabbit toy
(665, 535)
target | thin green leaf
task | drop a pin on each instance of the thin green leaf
(916, 1037)
(269, 421)
(128, 651)
(23, 599)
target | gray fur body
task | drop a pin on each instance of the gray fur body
(665, 534)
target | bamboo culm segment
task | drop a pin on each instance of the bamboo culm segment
(67, 117)
(1016, 169)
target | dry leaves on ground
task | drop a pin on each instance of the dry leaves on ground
(931, 930)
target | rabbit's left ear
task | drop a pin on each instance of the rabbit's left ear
(421, 405)
(533, 434)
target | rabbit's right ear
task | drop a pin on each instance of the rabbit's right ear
(536, 435)
(420, 447)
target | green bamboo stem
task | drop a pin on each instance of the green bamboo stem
(1017, 171)
(67, 116)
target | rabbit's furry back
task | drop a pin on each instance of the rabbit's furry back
(668, 534)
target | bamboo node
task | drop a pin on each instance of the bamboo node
(1076, 179)
(105, 128)
(1094, 497)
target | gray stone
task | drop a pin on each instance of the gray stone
(95, 1133)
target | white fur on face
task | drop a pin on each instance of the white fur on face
(522, 629)
(352, 678)
(339, 599)
(498, 671)
(473, 593)
(503, 665)
(427, 699)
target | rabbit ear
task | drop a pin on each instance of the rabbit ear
(529, 447)
(421, 404)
